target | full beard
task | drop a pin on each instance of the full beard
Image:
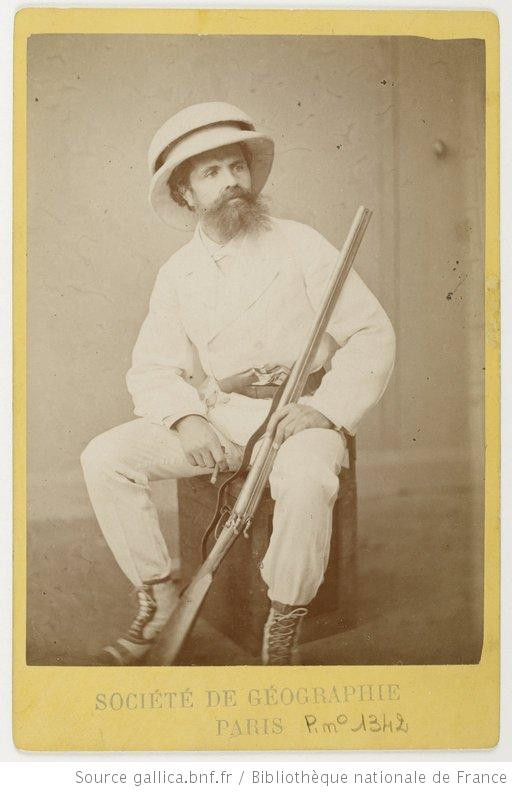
(237, 210)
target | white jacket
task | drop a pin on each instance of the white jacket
(259, 314)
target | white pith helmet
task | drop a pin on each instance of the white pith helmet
(199, 128)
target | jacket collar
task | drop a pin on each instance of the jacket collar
(216, 250)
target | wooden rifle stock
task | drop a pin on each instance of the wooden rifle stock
(239, 520)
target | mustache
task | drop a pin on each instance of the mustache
(233, 192)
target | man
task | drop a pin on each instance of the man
(244, 292)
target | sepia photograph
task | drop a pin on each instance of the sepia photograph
(255, 350)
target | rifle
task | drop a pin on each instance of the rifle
(240, 517)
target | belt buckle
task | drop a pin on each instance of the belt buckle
(275, 376)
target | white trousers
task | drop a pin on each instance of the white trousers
(119, 464)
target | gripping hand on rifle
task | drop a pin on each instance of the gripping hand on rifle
(294, 418)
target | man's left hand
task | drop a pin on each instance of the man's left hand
(295, 418)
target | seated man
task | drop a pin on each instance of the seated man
(244, 292)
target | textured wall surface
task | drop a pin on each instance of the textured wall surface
(396, 124)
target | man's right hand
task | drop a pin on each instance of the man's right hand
(200, 443)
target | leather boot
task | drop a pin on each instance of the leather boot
(280, 634)
(156, 602)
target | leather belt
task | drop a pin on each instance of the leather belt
(248, 383)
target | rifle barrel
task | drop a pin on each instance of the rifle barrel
(250, 494)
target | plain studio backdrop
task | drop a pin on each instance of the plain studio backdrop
(396, 124)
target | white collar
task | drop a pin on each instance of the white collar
(220, 249)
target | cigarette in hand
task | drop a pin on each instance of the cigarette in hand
(215, 473)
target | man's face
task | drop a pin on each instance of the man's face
(217, 175)
(219, 192)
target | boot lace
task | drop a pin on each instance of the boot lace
(146, 610)
(282, 634)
